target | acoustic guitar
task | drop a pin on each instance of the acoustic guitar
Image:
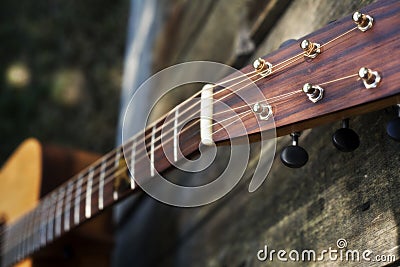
(347, 68)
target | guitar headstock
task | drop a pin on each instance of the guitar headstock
(347, 68)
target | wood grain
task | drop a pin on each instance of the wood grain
(374, 49)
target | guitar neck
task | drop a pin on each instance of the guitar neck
(99, 186)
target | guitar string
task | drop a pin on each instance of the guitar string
(121, 171)
(273, 70)
(288, 60)
(31, 230)
(23, 240)
(111, 161)
(36, 231)
(339, 79)
(271, 73)
(141, 155)
(109, 157)
(56, 216)
(109, 178)
(111, 154)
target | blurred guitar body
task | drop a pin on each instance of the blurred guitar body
(31, 172)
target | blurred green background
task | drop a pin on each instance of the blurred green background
(60, 72)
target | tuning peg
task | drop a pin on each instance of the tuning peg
(345, 139)
(294, 156)
(393, 126)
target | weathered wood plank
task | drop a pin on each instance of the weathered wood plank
(336, 195)
(350, 196)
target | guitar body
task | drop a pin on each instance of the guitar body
(34, 170)
(20, 182)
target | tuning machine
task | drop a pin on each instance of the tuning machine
(314, 92)
(393, 126)
(264, 111)
(364, 22)
(345, 139)
(262, 67)
(294, 156)
(311, 50)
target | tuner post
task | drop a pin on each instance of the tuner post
(370, 77)
(263, 111)
(311, 50)
(262, 67)
(314, 92)
(364, 22)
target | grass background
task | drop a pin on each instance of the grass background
(60, 72)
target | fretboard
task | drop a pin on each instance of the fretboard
(100, 185)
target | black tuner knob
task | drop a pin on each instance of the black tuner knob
(393, 126)
(345, 139)
(294, 156)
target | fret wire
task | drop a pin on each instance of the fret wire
(38, 215)
(88, 201)
(67, 212)
(50, 224)
(61, 194)
(18, 241)
(116, 164)
(176, 135)
(32, 232)
(101, 185)
(12, 244)
(132, 170)
(43, 222)
(7, 246)
(152, 151)
(77, 200)
(28, 237)
(24, 233)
